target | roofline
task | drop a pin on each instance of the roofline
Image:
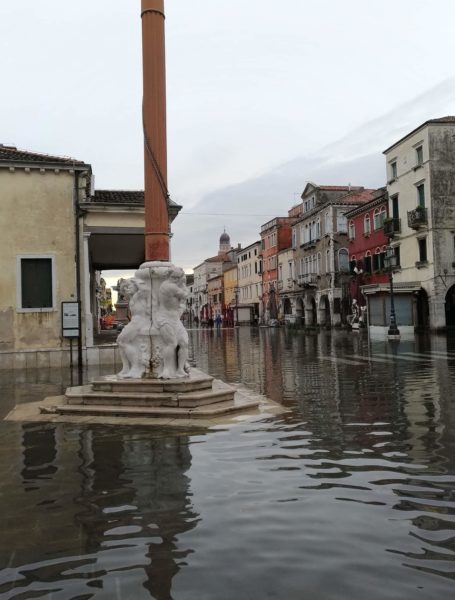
(408, 135)
(249, 246)
(320, 207)
(77, 166)
(366, 205)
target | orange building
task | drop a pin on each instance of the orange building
(276, 235)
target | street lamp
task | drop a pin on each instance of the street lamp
(390, 262)
(236, 292)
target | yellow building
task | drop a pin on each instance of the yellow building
(57, 233)
(38, 249)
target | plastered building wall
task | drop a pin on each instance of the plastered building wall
(36, 218)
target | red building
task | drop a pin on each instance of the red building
(367, 244)
(276, 235)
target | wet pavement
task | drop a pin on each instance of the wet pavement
(350, 493)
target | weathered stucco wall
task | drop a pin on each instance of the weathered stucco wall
(442, 148)
(36, 218)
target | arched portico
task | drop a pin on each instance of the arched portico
(324, 317)
(450, 307)
(310, 310)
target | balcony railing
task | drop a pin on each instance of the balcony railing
(308, 279)
(392, 227)
(309, 244)
(417, 217)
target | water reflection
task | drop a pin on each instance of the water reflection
(356, 480)
(97, 508)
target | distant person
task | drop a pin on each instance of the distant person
(218, 321)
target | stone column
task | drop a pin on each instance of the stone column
(154, 124)
(88, 317)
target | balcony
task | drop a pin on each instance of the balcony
(392, 227)
(418, 217)
(309, 280)
(310, 244)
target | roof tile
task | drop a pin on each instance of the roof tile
(12, 154)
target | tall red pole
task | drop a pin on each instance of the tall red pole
(154, 122)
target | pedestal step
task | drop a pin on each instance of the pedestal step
(192, 383)
(198, 395)
(219, 409)
(192, 400)
(121, 399)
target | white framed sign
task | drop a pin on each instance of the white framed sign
(70, 319)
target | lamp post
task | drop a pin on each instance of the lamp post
(390, 262)
(236, 292)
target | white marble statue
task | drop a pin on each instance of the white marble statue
(171, 304)
(155, 342)
(132, 341)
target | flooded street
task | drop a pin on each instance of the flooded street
(348, 494)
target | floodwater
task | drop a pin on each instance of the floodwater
(348, 494)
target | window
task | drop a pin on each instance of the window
(367, 225)
(367, 263)
(342, 223)
(343, 260)
(327, 225)
(351, 230)
(352, 265)
(395, 208)
(318, 268)
(419, 155)
(421, 195)
(378, 260)
(393, 170)
(327, 261)
(36, 282)
(422, 250)
(294, 238)
(379, 217)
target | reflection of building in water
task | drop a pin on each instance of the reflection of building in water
(103, 496)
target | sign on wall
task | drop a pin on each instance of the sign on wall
(70, 319)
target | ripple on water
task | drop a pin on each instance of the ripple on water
(349, 494)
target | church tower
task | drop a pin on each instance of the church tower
(225, 243)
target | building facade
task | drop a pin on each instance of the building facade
(41, 247)
(421, 229)
(276, 235)
(321, 284)
(367, 245)
(249, 264)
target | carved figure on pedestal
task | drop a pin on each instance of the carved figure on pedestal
(132, 341)
(171, 305)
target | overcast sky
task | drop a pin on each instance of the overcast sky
(252, 85)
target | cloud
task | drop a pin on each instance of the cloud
(354, 159)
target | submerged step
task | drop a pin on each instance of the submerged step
(120, 399)
(210, 411)
(194, 399)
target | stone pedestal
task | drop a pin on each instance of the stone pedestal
(196, 396)
(155, 343)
